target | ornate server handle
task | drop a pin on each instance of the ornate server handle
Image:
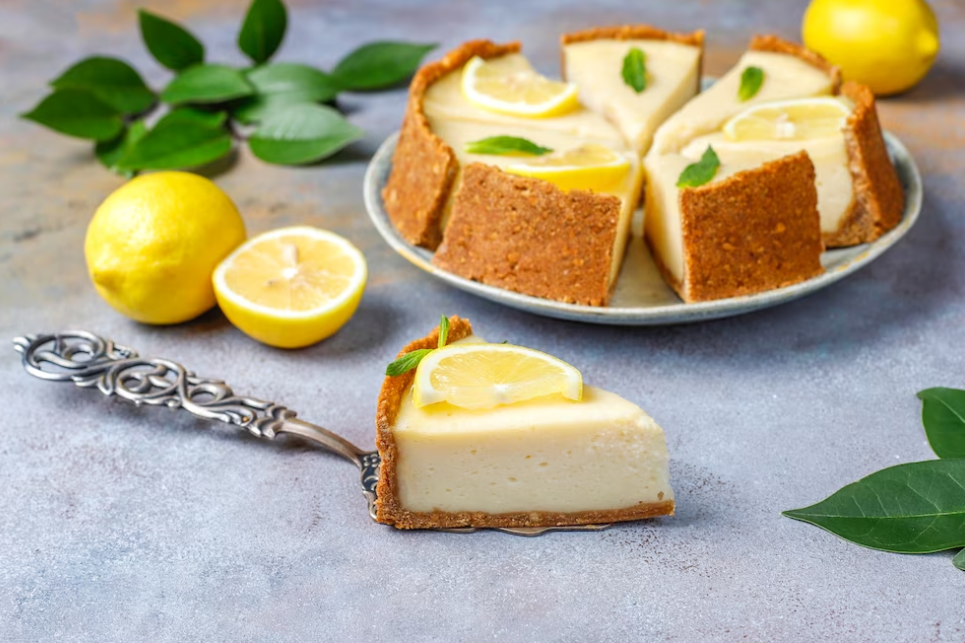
(90, 361)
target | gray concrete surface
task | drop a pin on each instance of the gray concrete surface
(127, 524)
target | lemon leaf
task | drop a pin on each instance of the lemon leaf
(110, 79)
(207, 84)
(379, 64)
(701, 172)
(280, 85)
(635, 69)
(959, 560)
(751, 80)
(79, 113)
(109, 153)
(443, 330)
(171, 44)
(506, 145)
(407, 362)
(263, 29)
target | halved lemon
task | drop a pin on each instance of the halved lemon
(588, 167)
(792, 120)
(508, 85)
(481, 376)
(291, 287)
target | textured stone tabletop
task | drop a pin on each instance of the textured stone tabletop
(141, 524)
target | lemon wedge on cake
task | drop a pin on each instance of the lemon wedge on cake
(587, 167)
(791, 120)
(480, 375)
(291, 287)
(510, 86)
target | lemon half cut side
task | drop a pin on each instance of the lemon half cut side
(508, 85)
(791, 120)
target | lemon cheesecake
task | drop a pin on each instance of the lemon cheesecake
(669, 75)
(801, 165)
(528, 446)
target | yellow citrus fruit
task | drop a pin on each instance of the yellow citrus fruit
(154, 242)
(480, 375)
(587, 167)
(291, 287)
(510, 86)
(888, 45)
(792, 120)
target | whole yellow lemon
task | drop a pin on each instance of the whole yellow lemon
(153, 244)
(888, 45)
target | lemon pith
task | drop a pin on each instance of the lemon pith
(509, 85)
(153, 244)
(588, 167)
(480, 375)
(793, 120)
(291, 287)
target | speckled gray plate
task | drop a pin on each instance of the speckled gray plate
(641, 297)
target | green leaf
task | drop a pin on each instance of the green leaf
(943, 415)
(109, 153)
(443, 331)
(280, 85)
(111, 80)
(635, 69)
(407, 362)
(170, 44)
(701, 172)
(302, 134)
(751, 80)
(263, 29)
(213, 119)
(175, 143)
(505, 145)
(912, 508)
(959, 560)
(79, 113)
(207, 84)
(379, 64)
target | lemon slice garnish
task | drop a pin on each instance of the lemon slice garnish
(508, 85)
(792, 120)
(480, 376)
(588, 167)
(291, 287)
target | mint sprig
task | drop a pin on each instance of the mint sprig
(412, 359)
(912, 508)
(506, 145)
(293, 106)
(751, 80)
(701, 172)
(634, 70)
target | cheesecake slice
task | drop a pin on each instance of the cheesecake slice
(543, 462)
(594, 59)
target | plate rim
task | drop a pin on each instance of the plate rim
(665, 314)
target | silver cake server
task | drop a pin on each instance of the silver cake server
(90, 361)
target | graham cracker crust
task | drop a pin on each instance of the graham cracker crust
(388, 508)
(531, 237)
(633, 32)
(424, 167)
(754, 231)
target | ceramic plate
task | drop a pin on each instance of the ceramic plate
(641, 297)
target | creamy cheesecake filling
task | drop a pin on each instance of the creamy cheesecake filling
(673, 70)
(444, 100)
(457, 133)
(785, 77)
(547, 454)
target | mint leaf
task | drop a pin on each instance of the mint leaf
(170, 44)
(110, 79)
(943, 416)
(443, 331)
(912, 508)
(176, 143)
(207, 84)
(109, 153)
(263, 29)
(379, 64)
(701, 172)
(959, 560)
(213, 119)
(751, 80)
(635, 69)
(79, 113)
(505, 145)
(407, 362)
(280, 85)
(302, 134)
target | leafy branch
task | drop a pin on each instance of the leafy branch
(288, 108)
